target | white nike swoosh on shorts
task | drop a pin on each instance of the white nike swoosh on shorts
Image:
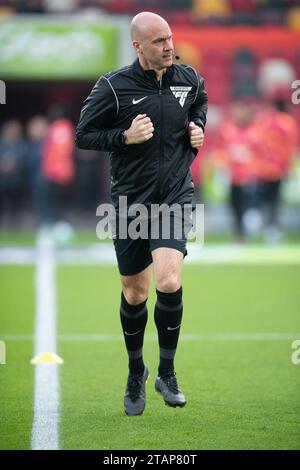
(134, 101)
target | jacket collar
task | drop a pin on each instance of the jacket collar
(150, 74)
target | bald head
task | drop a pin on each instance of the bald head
(145, 22)
(152, 39)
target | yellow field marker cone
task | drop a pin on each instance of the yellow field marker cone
(46, 358)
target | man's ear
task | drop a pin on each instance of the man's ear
(137, 46)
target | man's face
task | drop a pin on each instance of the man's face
(156, 47)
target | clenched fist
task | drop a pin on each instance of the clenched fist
(196, 135)
(140, 131)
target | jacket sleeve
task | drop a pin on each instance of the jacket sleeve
(198, 109)
(95, 128)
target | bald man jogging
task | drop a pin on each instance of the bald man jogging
(150, 116)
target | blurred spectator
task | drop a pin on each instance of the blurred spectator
(57, 165)
(244, 73)
(210, 10)
(293, 18)
(257, 150)
(201, 168)
(274, 73)
(36, 133)
(189, 54)
(278, 149)
(238, 152)
(12, 157)
(87, 178)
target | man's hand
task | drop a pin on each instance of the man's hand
(196, 135)
(140, 131)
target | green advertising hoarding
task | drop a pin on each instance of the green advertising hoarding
(56, 50)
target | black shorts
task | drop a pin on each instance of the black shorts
(135, 255)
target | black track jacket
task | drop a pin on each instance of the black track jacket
(156, 171)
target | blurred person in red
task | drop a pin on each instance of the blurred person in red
(278, 149)
(12, 158)
(238, 150)
(57, 168)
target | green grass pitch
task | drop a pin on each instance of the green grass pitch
(242, 394)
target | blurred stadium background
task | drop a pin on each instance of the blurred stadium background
(242, 291)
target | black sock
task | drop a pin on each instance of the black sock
(134, 320)
(168, 315)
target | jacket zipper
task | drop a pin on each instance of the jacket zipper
(161, 145)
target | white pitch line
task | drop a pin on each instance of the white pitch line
(46, 394)
(103, 254)
(187, 337)
(94, 337)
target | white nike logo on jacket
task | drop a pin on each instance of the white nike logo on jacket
(134, 101)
